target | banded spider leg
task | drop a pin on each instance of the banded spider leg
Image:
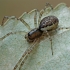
(41, 12)
(20, 62)
(28, 52)
(27, 26)
(7, 17)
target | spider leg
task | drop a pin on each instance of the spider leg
(12, 33)
(25, 54)
(63, 28)
(25, 23)
(29, 51)
(51, 39)
(51, 42)
(48, 5)
(13, 17)
(22, 63)
(7, 17)
(42, 11)
(40, 15)
(51, 46)
(35, 18)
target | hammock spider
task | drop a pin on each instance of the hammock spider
(45, 25)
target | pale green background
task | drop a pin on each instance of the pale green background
(17, 7)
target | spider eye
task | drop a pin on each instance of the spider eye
(26, 36)
(29, 34)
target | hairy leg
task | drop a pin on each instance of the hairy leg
(42, 11)
(7, 17)
(50, 41)
(25, 54)
(35, 18)
(10, 33)
(28, 27)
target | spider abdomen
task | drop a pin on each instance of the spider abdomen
(49, 23)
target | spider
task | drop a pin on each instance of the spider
(47, 24)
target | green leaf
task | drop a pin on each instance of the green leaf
(14, 45)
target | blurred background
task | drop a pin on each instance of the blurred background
(17, 7)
